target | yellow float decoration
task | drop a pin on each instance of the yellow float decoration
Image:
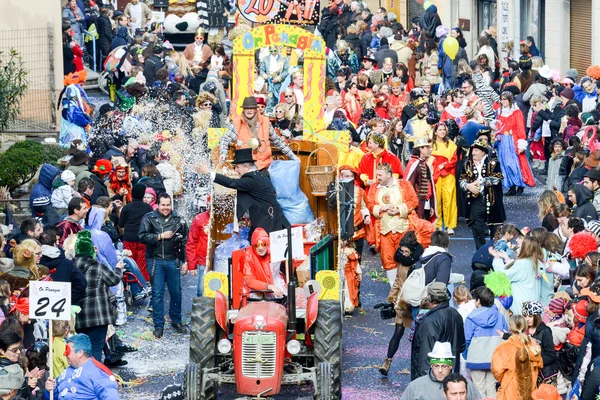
(330, 285)
(244, 48)
(215, 282)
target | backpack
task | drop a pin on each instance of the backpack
(414, 289)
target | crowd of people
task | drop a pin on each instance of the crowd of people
(434, 137)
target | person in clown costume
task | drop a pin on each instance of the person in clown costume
(367, 169)
(444, 152)
(75, 118)
(391, 202)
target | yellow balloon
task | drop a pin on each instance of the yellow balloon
(450, 47)
(427, 4)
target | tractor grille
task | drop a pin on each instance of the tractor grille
(258, 360)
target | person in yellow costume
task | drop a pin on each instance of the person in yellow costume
(444, 169)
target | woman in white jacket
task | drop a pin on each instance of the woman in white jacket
(170, 175)
(62, 195)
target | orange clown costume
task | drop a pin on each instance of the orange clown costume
(367, 169)
(391, 206)
(445, 183)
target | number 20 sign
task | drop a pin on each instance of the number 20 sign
(50, 300)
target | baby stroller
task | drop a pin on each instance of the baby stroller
(134, 285)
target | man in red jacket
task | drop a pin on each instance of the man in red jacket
(196, 248)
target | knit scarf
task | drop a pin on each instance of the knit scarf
(252, 124)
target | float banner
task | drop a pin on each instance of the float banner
(294, 12)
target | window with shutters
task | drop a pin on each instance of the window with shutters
(581, 35)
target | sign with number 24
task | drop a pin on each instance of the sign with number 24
(50, 300)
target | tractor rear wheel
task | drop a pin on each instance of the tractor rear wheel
(203, 343)
(328, 345)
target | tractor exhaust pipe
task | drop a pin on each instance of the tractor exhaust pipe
(291, 286)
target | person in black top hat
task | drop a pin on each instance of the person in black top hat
(255, 193)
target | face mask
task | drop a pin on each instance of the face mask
(346, 180)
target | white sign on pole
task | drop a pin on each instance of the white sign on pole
(279, 244)
(50, 300)
(504, 26)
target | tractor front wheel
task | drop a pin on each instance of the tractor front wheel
(203, 342)
(328, 348)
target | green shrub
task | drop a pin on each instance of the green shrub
(52, 153)
(20, 162)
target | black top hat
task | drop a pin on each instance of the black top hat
(250, 102)
(243, 156)
(593, 174)
(79, 158)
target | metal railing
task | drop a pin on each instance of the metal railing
(87, 33)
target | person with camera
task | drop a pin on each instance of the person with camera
(407, 255)
(165, 235)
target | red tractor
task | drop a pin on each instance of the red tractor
(263, 345)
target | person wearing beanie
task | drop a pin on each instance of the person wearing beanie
(44, 212)
(63, 191)
(524, 79)
(129, 221)
(97, 311)
(385, 52)
(100, 175)
(408, 253)
(542, 334)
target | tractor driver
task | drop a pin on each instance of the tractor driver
(259, 272)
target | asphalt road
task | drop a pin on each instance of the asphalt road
(159, 363)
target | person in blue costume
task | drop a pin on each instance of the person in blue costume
(85, 378)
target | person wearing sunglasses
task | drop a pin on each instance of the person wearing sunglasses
(208, 102)
(259, 272)
(274, 69)
(281, 122)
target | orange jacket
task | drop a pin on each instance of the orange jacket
(504, 368)
(410, 201)
(263, 155)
